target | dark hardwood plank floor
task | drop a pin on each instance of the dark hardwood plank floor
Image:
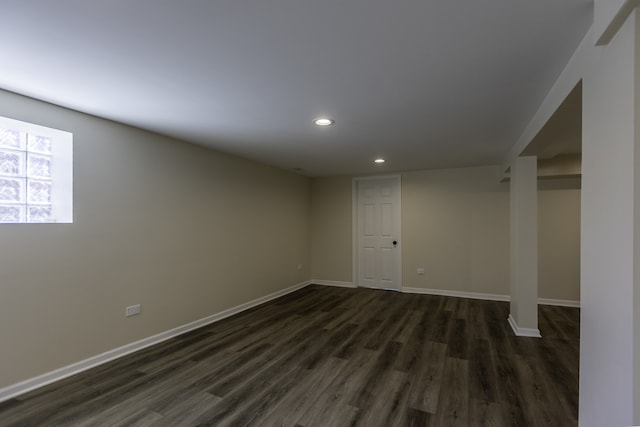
(327, 356)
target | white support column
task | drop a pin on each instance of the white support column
(523, 317)
(610, 235)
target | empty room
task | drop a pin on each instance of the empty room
(282, 213)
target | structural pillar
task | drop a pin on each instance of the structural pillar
(523, 316)
(610, 235)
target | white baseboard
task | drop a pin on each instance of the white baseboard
(83, 365)
(559, 302)
(334, 283)
(488, 297)
(458, 294)
(523, 332)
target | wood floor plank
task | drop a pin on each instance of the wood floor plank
(258, 409)
(327, 344)
(458, 341)
(388, 404)
(305, 395)
(182, 354)
(46, 406)
(442, 326)
(412, 350)
(99, 398)
(510, 391)
(188, 411)
(408, 326)
(341, 415)
(388, 328)
(540, 410)
(329, 356)
(562, 380)
(377, 377)
(358, 339)
(168, 389)
(424, 392)
(453, 408)
(485, 414)
(122, 414)
(477, 323)
(342, 389)
(482, 377)
(415, 418)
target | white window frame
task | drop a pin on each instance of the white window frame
(61, 170)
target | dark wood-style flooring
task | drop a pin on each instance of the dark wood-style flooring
(327, 356)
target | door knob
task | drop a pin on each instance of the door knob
(395, 242)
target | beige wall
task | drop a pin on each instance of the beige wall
(455, 225)
(559, 244)
(331, 229)
(182, 230)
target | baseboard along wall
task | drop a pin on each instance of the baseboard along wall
(334, 283)
(83, 365)
(523, 332)
(458, 294)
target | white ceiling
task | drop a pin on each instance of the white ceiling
(424, 83)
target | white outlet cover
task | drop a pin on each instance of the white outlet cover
(132, 310)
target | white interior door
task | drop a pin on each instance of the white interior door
(378, 228)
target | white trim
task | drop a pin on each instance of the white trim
(458, 294)
(380, 289)
(334, 283)
(523, 332)
(83, 365)
(489, 297)
(354, 232)
(559, 302)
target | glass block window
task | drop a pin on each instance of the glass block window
(36, 173)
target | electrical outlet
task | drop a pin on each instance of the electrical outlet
(132, 310)
(420, 271)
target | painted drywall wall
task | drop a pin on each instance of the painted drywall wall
(609, 231)
(559, 241)
(182, 230)
(331, 220)
(456, 226)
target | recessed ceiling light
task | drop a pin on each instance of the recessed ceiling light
(322, 121)
(380, 160)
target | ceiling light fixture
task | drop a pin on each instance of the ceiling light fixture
(322, 121)
(379, 161)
